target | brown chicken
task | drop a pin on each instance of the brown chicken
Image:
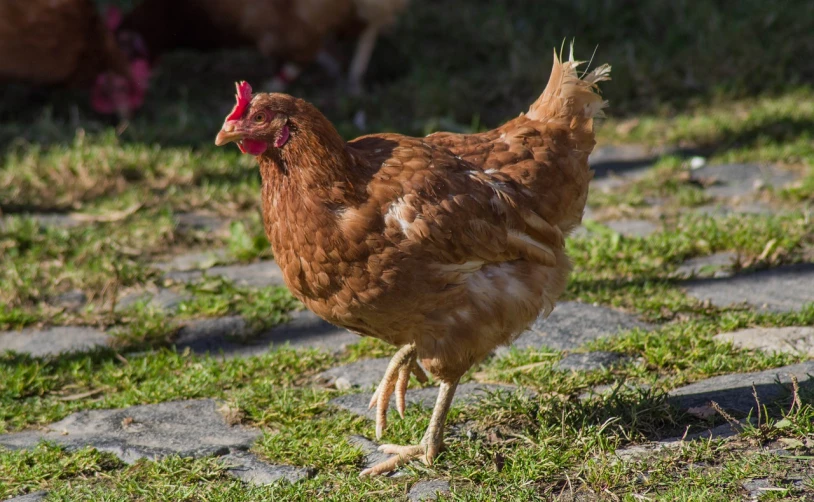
(66, 42)
(292, 31)
(445, 246)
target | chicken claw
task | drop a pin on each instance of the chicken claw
(431, 444)
(396, 378)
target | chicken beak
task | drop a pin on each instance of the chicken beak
(227, 134)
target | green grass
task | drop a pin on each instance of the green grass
(728, 81)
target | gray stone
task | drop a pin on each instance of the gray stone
(255, 275)
(423, 397)
(736, 180)
(52, 341)
(590, 361)
(249, 468)
(153, 431)
(212, 335)
(72, 300)
(640, 451)
(370, 450)
(723, 210)
(199, 221)
(715, 265)
(428, 490)
(164, 300)
(199, 260)
(606, 390)
(734, 392)
(31, 497)
(779, 289)
(632, 228)
(757, 487)
(258, 275)
(184, 276)
(789, 340)
(364, 374)
(573, 324)
(606, 159)
(57, 220)
(232, 337)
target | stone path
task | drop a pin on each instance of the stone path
(590, 361)
(715, 265)
(256, 275)
(798, 340)
(428, 490)
(186, 428)
(779, 289)
(222, 335)
(52, 341)
(364, 374)
(734, 391)
(31, 497)
(739, 180)
(573, 324)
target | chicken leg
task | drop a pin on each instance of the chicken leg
(396, 377)
(430, 445)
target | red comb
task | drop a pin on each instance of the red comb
(244, 97)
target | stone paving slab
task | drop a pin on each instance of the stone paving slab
(200, 221)
(153, 431)
(72, 301)
(729, 209)
(734, 392)
(737, 180)
(590, 361)
(56, 220)
(248, 468)
(197, 260)
(425, 397)
(372, 455)
(789, 340)
(53, 341)
(428, 489)
(573, 324)
(31, 497)
(254, 275)
(779, 289)
(633, 228)
(715, 265)
(639, 451)
(620, 160)
(165, 300)
(223, 335)
(364, 374)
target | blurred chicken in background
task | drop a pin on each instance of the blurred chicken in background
(294, 32)
(66, 42)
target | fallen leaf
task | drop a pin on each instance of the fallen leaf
(108, 217)
(81, 395)
(702, 412)
(791, 442)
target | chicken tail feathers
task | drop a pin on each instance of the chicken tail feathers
(569, 96)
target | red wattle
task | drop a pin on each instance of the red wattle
(252, 146)
(282, 139)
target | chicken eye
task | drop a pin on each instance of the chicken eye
(259, 117)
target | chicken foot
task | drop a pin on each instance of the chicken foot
(396, 377)
(430, 445)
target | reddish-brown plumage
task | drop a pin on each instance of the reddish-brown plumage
(451, 243)
(56, 42)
